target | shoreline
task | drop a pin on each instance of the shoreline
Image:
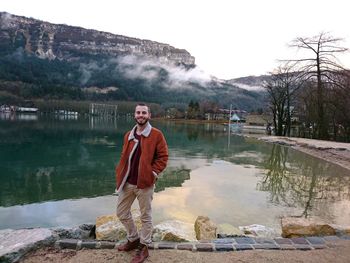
(337, 153)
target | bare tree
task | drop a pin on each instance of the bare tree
(321, 67)
(281, 89)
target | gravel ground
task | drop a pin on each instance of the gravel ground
(339, 252)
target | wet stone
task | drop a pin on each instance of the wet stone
(204, 247)
(283, 241)
(266, 246)
(299, 241)
(244, 240)
(243, 247)
(346, 237)
(223, 247)
(315, 240)
(166, 245)
(188, 247)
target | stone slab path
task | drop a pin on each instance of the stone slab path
(222, 244)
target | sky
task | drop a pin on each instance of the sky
(228, 38)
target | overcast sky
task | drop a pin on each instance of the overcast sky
(228, 38)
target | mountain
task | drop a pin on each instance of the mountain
(250, 82)
(40, 60)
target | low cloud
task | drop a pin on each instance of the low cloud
(149, 70)
(88, 69)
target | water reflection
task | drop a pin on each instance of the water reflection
(243, 182)
(297, 180)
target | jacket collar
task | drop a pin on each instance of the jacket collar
(146, 132)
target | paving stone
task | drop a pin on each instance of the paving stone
(204, 247)
(166, 245)
(106, 245)
(244, 240)
(88, 244)
(262, 240)
(316, 240)
(68, 243)
(242, 247)
(188, 247)
(223, 247)
(283, 241)
(286, 247)
(302, 247)
(79, 244)
(224, 241)
(204, 241)
(299, 241)
(152, 246)
(331, 238)
(319, 246)
(266, 246)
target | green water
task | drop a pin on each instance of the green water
(60, 172)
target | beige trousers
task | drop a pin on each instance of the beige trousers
(125, 199)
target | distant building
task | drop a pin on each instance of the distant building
(224, 114)
(258, 119)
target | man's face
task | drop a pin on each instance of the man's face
(142, 115)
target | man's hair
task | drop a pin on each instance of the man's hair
(143, 104)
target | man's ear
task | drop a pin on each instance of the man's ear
(150, 115)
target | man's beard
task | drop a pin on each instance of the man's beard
(141, 122)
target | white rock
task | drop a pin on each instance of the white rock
(173, 230)
(259, 231)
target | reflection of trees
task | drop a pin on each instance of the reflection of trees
(276, 176)
(172, 178)
(298, 180)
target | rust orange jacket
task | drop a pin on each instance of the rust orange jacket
(153, 160)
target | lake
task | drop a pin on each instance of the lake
(58, 171)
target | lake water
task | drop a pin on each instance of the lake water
(60, 172)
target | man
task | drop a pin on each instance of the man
(144, 156)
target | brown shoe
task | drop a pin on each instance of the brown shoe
(141, 254)
(128, 246)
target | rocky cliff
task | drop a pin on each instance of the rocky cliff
(51, 41)
(40, 60)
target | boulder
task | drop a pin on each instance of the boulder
(109, 227)
(227, 230)
(204, 228)
(259, 231)
(296, 227)
(14, 244)
(173, 230)
(85, 231)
